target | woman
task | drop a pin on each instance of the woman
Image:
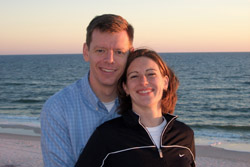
(147, 134)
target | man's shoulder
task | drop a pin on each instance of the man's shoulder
(67, 93)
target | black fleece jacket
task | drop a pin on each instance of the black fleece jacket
(125, 142)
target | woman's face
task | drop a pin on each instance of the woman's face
(145, 83)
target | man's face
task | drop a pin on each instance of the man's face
(107, 56)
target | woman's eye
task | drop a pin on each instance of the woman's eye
(133, 76)
(151, 74)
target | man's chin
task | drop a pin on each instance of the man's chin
(109, 83)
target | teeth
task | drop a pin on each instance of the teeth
(107, 70)
(145, 91)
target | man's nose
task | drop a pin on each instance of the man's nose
(110, 56)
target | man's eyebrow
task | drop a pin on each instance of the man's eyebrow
(120, 48)
(97, 47)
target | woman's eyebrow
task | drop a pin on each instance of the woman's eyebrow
(150, 69)
(132, 73)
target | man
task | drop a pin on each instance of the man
(70, 116)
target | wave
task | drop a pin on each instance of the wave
(225, 112)
(20, 118)
(27, 101)
(223, 127)
(246, 83)
(11, 84)
(18, 84)
(220, 89)
(241, 110)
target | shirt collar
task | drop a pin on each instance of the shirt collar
(87, 92)
(91, 97)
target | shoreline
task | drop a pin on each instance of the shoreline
(31, 129)
(25, 150)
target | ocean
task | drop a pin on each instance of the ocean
(213, 97)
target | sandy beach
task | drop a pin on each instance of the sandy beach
(25, 151)
(20, 151)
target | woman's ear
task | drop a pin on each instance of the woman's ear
(125, 88)
(132, 49)
(166, 82)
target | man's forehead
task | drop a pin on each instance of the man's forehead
(118, 40)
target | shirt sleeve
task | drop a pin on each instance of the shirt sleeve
(55, 139)
(95, 151)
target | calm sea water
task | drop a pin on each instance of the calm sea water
(213, 97)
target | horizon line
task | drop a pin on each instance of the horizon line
(156, 51)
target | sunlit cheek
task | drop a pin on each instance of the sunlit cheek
(154, 80)
(120, 60)
(131, 86)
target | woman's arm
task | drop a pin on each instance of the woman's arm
(94, 152)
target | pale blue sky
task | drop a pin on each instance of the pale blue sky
(58, 26)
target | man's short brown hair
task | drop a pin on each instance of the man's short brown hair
(109, 23)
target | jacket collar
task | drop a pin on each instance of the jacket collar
(132, 119)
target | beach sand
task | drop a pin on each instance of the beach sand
(20, 151)
(25, 151)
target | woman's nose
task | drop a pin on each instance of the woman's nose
(143, 80)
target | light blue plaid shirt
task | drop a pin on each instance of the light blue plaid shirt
(67, 121)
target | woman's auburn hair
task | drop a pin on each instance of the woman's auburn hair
(169, 97)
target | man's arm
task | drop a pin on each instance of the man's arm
(55, 139)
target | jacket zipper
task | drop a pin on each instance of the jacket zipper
(159, 149)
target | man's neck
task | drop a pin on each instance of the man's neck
(105, 93)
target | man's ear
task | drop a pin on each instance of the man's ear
(85, 52)
(125, 88)
(166, 82)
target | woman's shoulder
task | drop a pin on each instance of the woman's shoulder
(175, 124)
(110, 124)
(183, 127)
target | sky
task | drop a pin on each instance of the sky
(59, 26)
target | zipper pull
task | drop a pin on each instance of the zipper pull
(160, 153)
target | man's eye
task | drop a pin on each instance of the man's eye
(118, 52)
(100, 51)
